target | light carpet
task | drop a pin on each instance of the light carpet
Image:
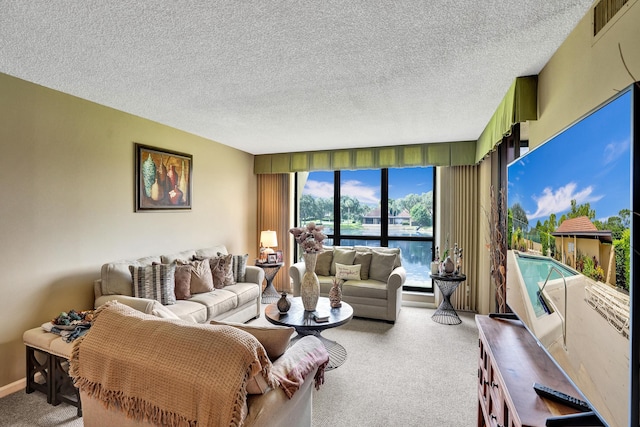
(414, 373)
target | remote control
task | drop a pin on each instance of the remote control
(560, 397)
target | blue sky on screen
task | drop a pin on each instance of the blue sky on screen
(589, 162)
(365, 184)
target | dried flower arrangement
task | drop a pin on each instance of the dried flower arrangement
(309, 237)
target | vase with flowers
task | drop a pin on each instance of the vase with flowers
(310, 238)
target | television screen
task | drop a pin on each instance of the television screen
(568, 263)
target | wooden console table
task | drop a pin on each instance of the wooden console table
(510, 362)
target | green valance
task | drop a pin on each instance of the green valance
(518, 105)
(398, 156)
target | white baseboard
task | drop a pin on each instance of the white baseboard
(8, 389)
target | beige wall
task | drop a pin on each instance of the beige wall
(66, 172)
(585, 72)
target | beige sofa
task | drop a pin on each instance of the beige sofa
(193, 382)
(239, 302)
(376, 294)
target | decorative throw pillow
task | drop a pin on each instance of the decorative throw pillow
(323, 262)
(221, 269)
(348, 272)
(364, 259)
(154, 282)
(238, 266)
(342, 256)
(381, 266)
(274, 339)
(163, 312)
(168, 259)
(201, 278)
(183, 281)
(385, 250)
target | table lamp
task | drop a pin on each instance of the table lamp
(268, 239)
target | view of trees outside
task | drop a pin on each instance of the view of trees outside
(360, 194)
(410, 213)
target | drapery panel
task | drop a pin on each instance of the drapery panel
(462, 213)
(274, 214)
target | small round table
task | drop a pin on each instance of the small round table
(447, 283)
(270, 294)
(304, 324)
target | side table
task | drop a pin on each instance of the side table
(270, 294)
(447, 283)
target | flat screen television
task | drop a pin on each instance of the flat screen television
(572, 260)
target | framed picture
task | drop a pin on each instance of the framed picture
(272, 258)
(162, 179)
(279, 257)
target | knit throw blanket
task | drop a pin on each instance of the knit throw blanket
(168, 372)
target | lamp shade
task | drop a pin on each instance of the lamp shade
(269, 239)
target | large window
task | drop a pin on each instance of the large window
(384, 207)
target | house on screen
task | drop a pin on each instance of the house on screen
(579, 237)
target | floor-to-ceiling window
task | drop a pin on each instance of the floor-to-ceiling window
(380, 207)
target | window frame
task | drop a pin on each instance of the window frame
(384, 237)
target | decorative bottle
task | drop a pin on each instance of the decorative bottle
(283, 303)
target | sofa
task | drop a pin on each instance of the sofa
(135, 369)
(185, 285)
(371, 277)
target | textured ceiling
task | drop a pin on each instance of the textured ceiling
(280, 76)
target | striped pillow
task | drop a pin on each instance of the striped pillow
(239, 267)
(154, 282)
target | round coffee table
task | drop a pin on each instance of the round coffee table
(304, 324)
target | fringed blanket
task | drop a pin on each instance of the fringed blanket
(168, 372)
(301, 358)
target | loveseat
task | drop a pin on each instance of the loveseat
(177, 286)
(134, 369)
(372, 278)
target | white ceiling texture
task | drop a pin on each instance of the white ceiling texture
(282, 76)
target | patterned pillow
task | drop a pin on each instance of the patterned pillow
(348, 272)
(221, 269)
(238, 266)
(154, 282)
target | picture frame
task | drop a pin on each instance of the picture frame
(272, 258)
(279, 257)
(163, 179)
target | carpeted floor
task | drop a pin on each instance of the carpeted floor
(414, 373)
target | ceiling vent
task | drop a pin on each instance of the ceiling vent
(604, 11)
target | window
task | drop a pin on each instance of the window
(383, 207)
